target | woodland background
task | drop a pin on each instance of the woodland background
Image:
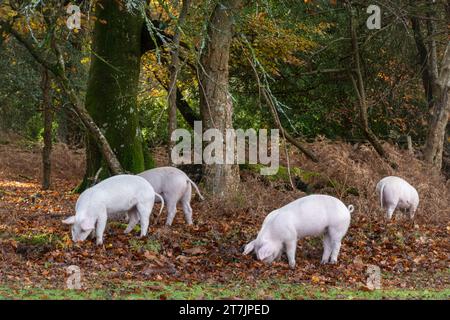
(353, 106)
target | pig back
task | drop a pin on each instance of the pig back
(121, 192)
(167, 181)
(311, 215)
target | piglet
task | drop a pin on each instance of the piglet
(308, 216)
(394, 192)
(174, 186)
(115, 194)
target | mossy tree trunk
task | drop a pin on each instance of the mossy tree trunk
(111, 97)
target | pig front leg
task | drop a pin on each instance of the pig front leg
(291, 247)
(412, 212)
(100, 227)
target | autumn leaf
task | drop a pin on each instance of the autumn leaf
(315, 279)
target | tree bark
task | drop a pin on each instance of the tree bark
(48, 121)
(173, 73)
(111, 97)
(432, 47)
(216, 106)
(425, 71)
(436, 85)
(441, 110)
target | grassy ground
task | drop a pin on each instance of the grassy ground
(179, 290)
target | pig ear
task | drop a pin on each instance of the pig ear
(265, 251)
(87, 225)
(249, 247)
(69, 220)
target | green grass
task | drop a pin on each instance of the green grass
(138, 245)
(39, 239)
(178, 290)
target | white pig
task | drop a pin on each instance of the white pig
(174, 186)
(308, 216)
(394, 192)
(118, 193)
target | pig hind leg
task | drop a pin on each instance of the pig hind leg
(133, 219)
(171, 210)
(390, 211)
(335, 236)
(144, 209)
(412, 212)
(390, 201)
(336, 247)
(185, 202)
(327, 247)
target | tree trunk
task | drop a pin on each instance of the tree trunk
(432, 47)
(174, 68)
(48, 121)
(111, 97)
(425, 71)
(441, 110)
(216, 106)
(436, 85)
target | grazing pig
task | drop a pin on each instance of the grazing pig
(308, 216)
(115, 194)
(174, 186)
(394, 192)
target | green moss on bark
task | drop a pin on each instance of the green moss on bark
(111, 97)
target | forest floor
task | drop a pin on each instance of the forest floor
(205, 261)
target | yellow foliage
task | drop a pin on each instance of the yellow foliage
(7, 12)
(274, 44)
